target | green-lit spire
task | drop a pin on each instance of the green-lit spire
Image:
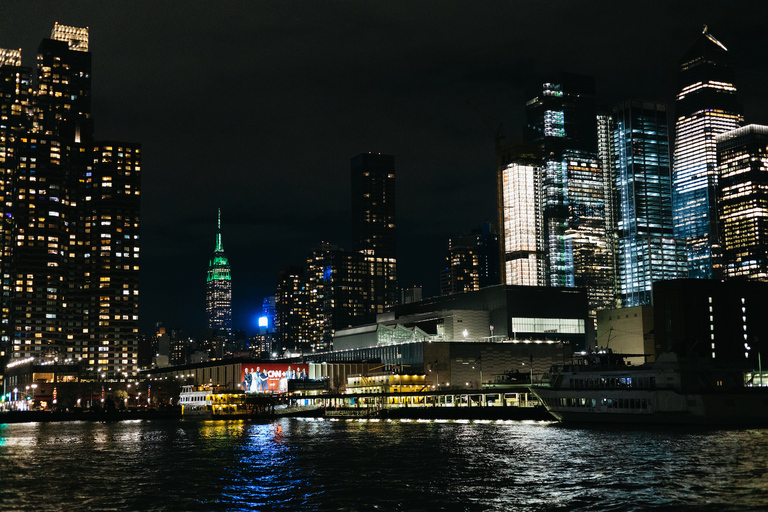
(219, 246)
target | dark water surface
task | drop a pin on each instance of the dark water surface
(295, 464)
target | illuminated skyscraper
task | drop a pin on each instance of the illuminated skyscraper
(706, 106)
(373, 227)
(562, 122)
(521, 216)
(15, 119)
(218, 290)
(742, 201)
(71, 207)
(647, 249)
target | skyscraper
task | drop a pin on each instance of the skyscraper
(70, 260)
(647, 249)
(706, 106)
(373, 227)
(742, 201)
(218, 290)
(562, 122)
(521, 216)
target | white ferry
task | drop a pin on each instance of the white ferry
(600, 387)
(207, 402)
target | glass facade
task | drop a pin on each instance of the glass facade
(706, 106)
(647, 248)
(742, 200)
(562, 121)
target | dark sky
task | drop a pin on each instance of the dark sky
(258, 107)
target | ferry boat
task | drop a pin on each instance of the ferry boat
(208, 402)
(600, 387)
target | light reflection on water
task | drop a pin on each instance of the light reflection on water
(387, 465)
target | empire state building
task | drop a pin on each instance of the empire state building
(218, 294)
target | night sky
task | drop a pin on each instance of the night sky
(258, 107)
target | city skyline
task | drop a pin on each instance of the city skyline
(291, 96)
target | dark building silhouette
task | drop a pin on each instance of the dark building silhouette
(373, 227)
(722, 322)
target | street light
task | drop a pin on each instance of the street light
(34, 388)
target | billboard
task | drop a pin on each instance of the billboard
(271, 377)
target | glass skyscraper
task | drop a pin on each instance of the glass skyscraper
(646, 246)
(563, 122)
(706, 106)
(742, 200)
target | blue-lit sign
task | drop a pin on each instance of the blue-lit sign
(263, 321)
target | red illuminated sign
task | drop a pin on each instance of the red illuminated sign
(271, 377)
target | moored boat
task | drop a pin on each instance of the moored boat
(599, 387)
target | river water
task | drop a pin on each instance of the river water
(305, 464)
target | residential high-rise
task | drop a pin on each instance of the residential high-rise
(472, 262)
(111, 228)
(646, 246)
(218, 290)
(293, 309)
(706, 106)
(16, 95)
(373, 227)
(562, 122)
(742, 201)
(70, 253)
(338, 295)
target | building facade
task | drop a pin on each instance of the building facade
(742, 201)
(562, 122)
(472, 262)
(218, 290)
(646, 247)
(706, 106)
(521, 216)
(374, 227)
(71, 224)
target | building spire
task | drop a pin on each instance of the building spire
(219, 246)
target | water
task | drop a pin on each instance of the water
(295, 464)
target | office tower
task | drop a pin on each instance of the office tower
(521, 216)
(472, 262)
(706, 106)
(562, 122)
(218, 290)
(373, 227)
(337, 292)
(647, 249)
(71, 267)
(742, 201)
